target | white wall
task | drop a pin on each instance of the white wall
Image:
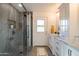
(50, 14)
(39, 38)
(74, 23)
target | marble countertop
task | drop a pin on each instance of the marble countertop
(74, 44)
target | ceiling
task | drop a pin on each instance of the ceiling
(16, 5)
(40, 7)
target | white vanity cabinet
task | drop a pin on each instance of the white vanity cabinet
(61, 48)
(66, 50)
(58, 47)
(75, 52)
(51, 45)
(70, 50)
(67, 44)
(69, 19)
(55, 46)
(64, 20)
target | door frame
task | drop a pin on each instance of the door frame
(31, 29)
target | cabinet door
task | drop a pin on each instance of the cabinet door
(58, 47)
(69, 50)
(65, 50)
(51, 45)
(75, 52)
(64, 20)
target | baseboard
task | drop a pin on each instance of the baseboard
(40, 46)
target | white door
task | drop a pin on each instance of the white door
(40, 33)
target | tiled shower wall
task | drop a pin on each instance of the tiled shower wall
(7, 47)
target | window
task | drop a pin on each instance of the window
(40, 25)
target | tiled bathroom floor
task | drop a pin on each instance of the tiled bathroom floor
(41, 51)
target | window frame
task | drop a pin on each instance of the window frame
(41, 25)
